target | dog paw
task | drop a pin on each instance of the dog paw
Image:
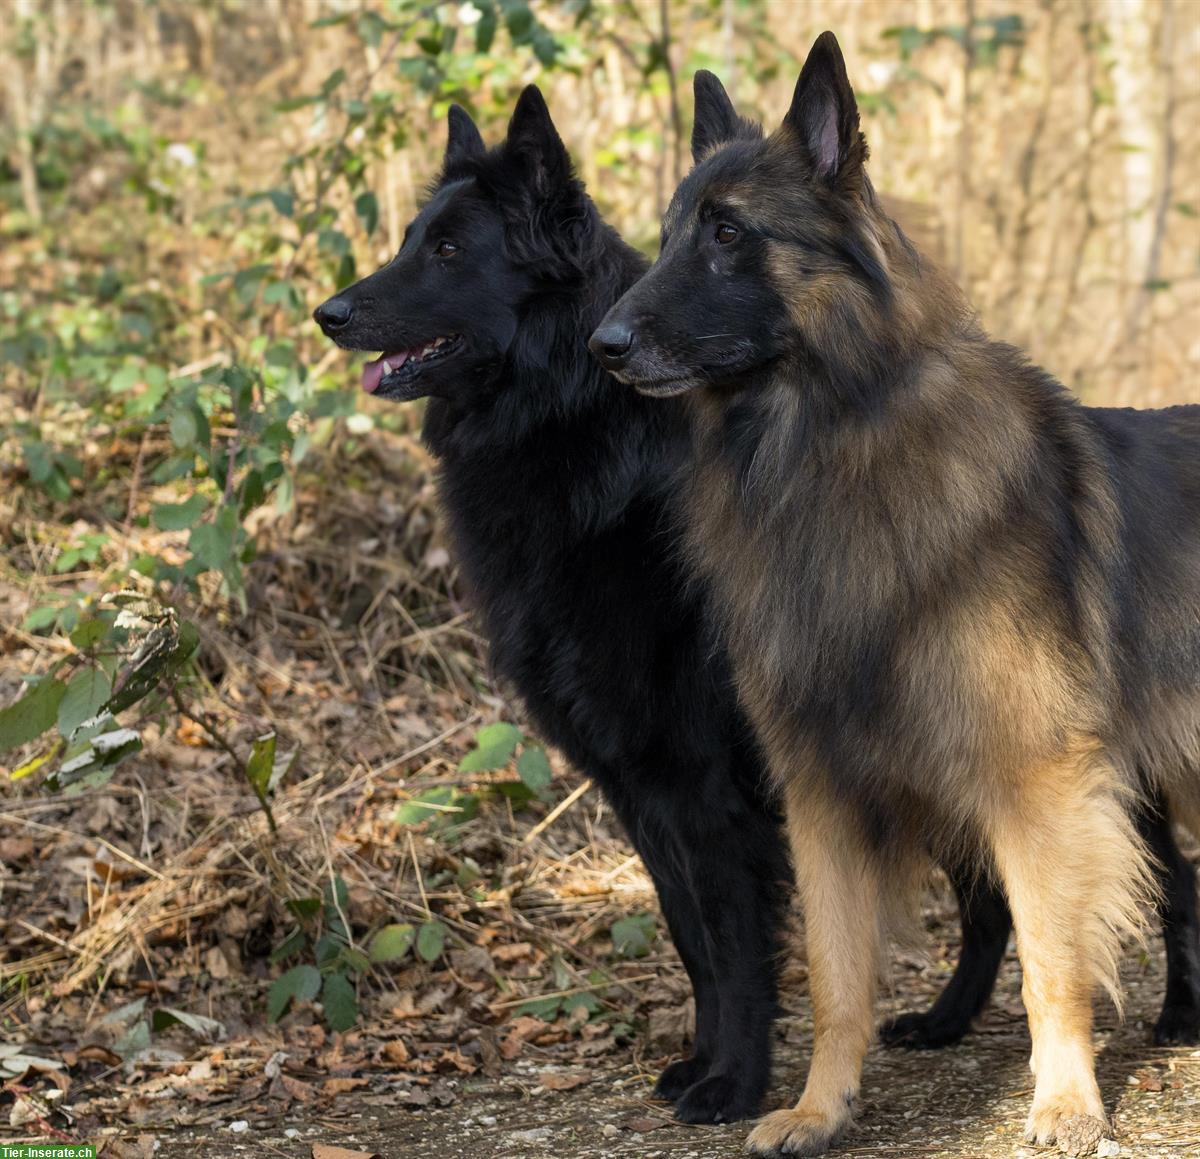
(676, 1078)
(795, 1132)
(1178, 1026)
(927, 1031)
(717, 1099)
(1075, 1129)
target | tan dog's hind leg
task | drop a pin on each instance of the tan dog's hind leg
(1076, 878)
(839, 890)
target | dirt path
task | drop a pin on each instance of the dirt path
(967, 1102)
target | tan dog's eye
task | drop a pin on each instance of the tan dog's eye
(725, 233)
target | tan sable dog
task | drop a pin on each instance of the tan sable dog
(963, 609)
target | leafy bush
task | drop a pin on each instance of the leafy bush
(322, 933)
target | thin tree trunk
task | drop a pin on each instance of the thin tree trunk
(15, 76)
(672, 92)
(964, 148)
(1151, 278)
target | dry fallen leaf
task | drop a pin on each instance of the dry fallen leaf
(396, 1051)
(339, 1086)
(642, 1124)
(324, 1151)
(563, 1082)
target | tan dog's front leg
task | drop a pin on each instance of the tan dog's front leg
(1076, 877)
(839, 890)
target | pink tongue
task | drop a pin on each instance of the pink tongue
(372, 372)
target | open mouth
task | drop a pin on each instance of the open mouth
(391, 373)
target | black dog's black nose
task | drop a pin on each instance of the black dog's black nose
(612, 344)
(334, 314)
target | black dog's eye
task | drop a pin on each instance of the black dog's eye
(725, 233)
(446, 249)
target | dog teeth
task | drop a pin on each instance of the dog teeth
(387, 367)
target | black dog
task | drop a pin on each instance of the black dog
(556, 485)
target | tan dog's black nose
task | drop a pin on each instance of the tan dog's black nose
(612, 343)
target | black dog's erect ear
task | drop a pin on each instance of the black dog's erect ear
(716, 120)
(531, 132)
(464, 139)
(824, 114)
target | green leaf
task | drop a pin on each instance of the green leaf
(391, 943)
(632, 936)
(545, 47)
(179, 516)
(366, 205)
(206, 1029)
(494, 747)
(124, 1015)
(333, 81)
(213, 543)
(431, 940)
(32, 715)
(92, 764)
(336, 896)
(261, 763)
(89, 633)
(290, 945)
(86, 694)
(346, 272)
(299, 984)
(68, 560)
(328, 948)
(184, 429)
(534, 769)
(485, 29)
(341, 1005)
(519, 19)
(354, 960)
(370, 28)
(334, 242)
(125, 379)
(440, 806)
(283, 201)
(134, 1040)
(547, 1009)
(304, 907)
(40, 618)
(587, 1000)
(246, 282)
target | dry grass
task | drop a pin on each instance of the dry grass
(358, 652)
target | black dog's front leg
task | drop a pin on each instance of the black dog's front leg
(739, 876)
(986, 924)
(1179, 1022)
(684, 922)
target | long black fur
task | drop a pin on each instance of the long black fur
(557, 486)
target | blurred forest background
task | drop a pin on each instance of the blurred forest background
(256, 767)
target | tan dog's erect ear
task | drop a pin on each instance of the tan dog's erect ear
(464, 139)
(824, 115)
(716, 120)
